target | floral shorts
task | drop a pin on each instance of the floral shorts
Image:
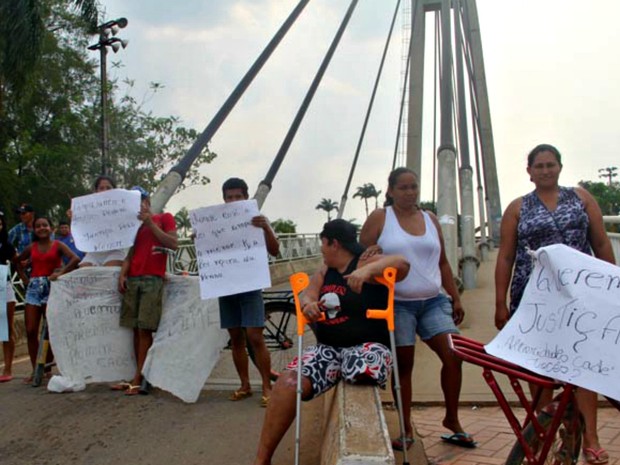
(324, 366)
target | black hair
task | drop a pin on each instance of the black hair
(37, 218)
(4, 233)
(531, 157)
(63, 223)
(235, 183)
(393, 179)
(103, 177)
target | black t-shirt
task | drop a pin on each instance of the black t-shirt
(347, 325)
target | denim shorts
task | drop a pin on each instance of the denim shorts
(324, 365)
(38, 291)
(428, 318)
(244, 310)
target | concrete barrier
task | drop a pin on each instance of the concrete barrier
(354, 428)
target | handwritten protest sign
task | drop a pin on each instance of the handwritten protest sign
(4, 322)
(106, 220)
(232, 256)
(567, 326)
(89, 345)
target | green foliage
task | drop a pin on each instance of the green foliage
(184, 225)
(428, 205)
(607, 196)
(50, 129)
(282, 226)
(328, 205)
(367, 191)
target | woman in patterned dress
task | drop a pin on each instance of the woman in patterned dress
(550, 214)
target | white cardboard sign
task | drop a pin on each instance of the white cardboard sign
(4, 321)
(89, 344)
(567, 326)
(106, 220)
(232, 256)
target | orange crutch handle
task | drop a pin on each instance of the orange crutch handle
(299, 281)
(388, 279)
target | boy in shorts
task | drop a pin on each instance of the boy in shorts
(141, 282)
(243, 315)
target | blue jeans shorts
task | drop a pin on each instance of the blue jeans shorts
(244, 310)
(324, 366)
(428, 318)
(38, 291)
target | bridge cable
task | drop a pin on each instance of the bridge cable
(265, 185)
(175, 176)
(404, 94)
(343, 199)
(436, 77)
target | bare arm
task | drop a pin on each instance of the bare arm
(599, 241)
(372, 228)
(25, 255)
(273, 245)
(309, 299)
(122, 277)
(167, 239)
(505, 261)
(367, 270)
(71, 264)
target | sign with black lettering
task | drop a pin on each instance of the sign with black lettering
(567, 326)
(106, 220)
(231, 253)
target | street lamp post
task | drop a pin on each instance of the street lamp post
(107, 31)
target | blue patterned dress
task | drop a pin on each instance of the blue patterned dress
(538, 227)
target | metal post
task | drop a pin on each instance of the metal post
(446, 153)
(416, 89)
(469, 259)
(105, 128)
(484, 113)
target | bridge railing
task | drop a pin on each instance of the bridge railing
(614, 237)
(292, 247)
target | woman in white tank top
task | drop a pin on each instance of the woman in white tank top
(420, 305)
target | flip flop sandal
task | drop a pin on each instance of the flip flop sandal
(123, 386)
(240, 395)
(264, 401)
(5, 378)
(132, 390)
(595, 456)
(460, 439)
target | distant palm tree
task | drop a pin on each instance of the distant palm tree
(328, 205)
(366, 192)
(183, 222)
(282, 226)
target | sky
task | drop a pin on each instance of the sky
(551, 66)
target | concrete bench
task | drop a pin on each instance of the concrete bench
(354, 428)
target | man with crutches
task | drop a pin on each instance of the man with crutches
(349, 346)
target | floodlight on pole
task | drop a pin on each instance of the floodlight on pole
(107, 31)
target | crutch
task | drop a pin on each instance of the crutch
(388, 279)
(299, 281)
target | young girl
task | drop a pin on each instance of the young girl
(8, 255)
(45, 255)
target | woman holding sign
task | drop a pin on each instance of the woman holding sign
(550, 214)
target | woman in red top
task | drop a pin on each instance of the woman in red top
(46, 257)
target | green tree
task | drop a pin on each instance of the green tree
(50, 130)
(328, 205)
(428, 205)
(607, 195)
(184, 225)
(365, 192)
(282, 226)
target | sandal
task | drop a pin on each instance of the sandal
(5, 378)
(132, 390)
(264, 401)
(240, 395)
(122, 386)
(397, 444)
(595, 456)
